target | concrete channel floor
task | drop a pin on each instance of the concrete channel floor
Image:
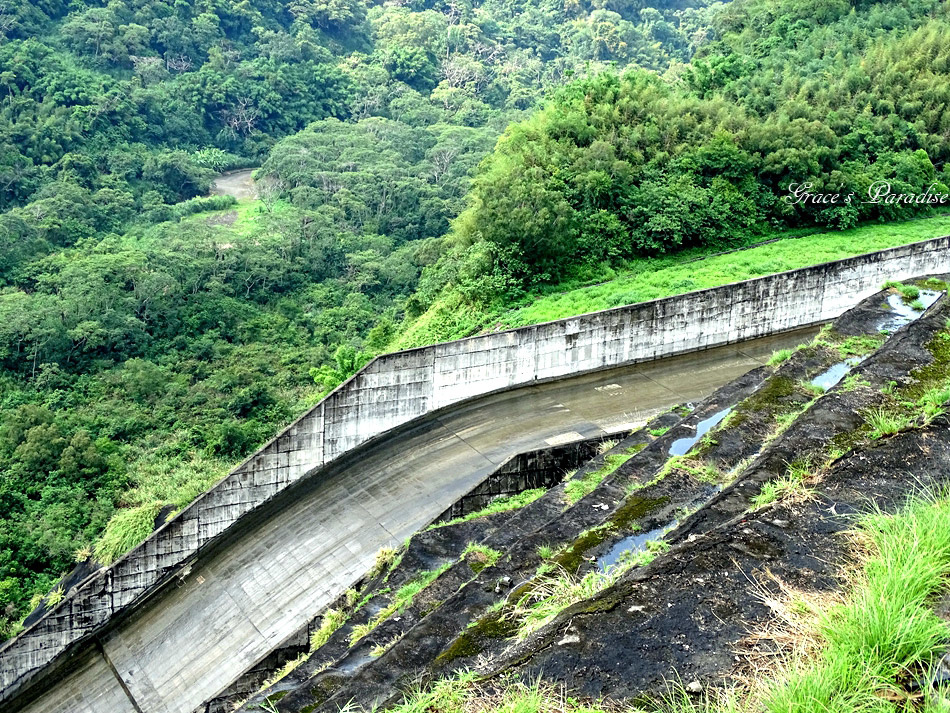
(273, 573)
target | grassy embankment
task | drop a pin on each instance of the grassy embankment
(653, 278)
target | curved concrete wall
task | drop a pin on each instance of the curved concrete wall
(397, 388)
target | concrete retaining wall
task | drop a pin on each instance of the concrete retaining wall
(397, 388)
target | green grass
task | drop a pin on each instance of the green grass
(127, 528)
(859, 345)
(54, 597)
(382, 648)
(700, 470)
(480, 556)
(882, 636)
(780, 356)
(552, 594)
(885, 422)
(651, 549)
(605, 446)
(909, 292)
(792, 484)
(399, 601)
(933, 400)
(462, 693)
(854, 381)
(511, 502)
(332, 620)
(654, 278)
(885, 633)
(577, 488)
(387, 559)
(283, 672)
(555, 588)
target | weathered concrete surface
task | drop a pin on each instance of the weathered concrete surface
(298, 552)
(541, 468)
(396, 389)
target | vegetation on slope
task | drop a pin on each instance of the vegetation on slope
(450, 317)
(835, 96)
(859, 652)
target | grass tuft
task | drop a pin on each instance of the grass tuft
(885, 422)
(332, 620)
(605, 446)
(127, 528)
(498, 505)
(398, 603)
(909, 292)
(386, 559)
(790, 487)
(480, 556)
(552, 594)
(577, 488)
(780, 356)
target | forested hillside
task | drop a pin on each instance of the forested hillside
(146, 344)
(151, 336)
(835, 95)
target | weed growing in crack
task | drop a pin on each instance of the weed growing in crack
(885, 421)
(479, 556)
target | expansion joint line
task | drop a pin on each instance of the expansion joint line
(118, 677)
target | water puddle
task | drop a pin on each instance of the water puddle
(681, 446)
(632, 544)
(836, 373)
(637, 542)
(903, 313)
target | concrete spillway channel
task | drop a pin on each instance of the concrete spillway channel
(277, 568)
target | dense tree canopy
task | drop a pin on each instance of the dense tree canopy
(788, 94)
